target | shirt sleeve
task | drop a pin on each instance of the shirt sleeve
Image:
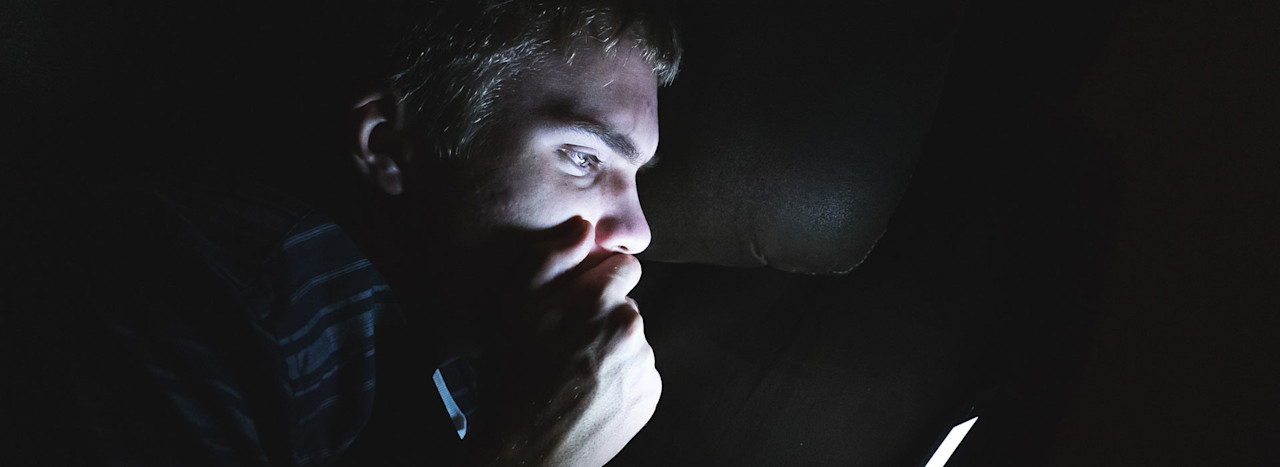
(128, 347)
(326, 302)
(190, 326)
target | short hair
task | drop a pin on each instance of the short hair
(454, 66)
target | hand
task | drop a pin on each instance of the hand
(575, 380)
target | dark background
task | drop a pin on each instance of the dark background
(1085, 255)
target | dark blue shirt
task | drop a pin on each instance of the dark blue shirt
(215, 323)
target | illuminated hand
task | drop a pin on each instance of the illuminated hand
(575, 380)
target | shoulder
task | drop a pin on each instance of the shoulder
(212, 304)
(234, 224)
(288, 260)
(313, 296)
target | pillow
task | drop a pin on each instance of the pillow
(791, 133)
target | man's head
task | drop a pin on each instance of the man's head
(511, 118)
(456, 68)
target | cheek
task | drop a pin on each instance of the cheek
(537, 197)
(558, 198)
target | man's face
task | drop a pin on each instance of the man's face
(574, 137)
(568, 144)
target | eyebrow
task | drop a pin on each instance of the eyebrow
(616, 141)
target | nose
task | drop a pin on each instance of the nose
(623, 228)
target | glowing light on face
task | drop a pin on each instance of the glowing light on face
(578, 135)
(950, 443)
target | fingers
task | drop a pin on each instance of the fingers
(564, 247)
(608, 283)
(570, 292)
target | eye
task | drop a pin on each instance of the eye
(582, 163)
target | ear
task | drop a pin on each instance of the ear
(380, 148)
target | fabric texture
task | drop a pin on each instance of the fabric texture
(213, 323)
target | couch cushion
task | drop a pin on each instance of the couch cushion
(791, 132)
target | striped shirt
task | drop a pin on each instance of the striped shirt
(248, 339)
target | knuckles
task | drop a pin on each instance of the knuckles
(625, 317)
(628, 270)
(623, 326)
(625, 261)
(603, 287)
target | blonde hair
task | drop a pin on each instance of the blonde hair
(455, 65)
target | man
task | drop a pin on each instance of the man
(499, 229)
(543, 185)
